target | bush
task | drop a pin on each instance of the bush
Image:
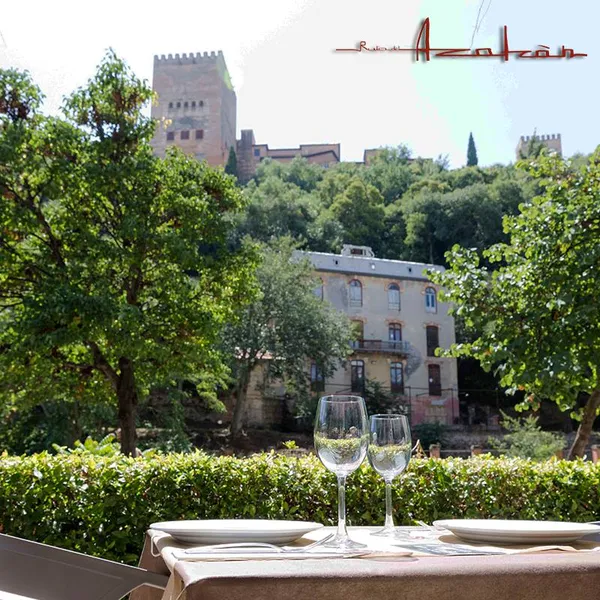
(429, 433)
(525, 439)
(103, 505)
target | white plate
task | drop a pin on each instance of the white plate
(236, 530)
(517, 532)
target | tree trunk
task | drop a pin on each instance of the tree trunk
(127, 395)
(237, 419)
(585, 427)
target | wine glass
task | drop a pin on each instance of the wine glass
(389, 452)
(341, 439)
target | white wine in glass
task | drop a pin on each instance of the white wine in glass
(341, 439)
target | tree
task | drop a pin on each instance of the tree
(471, 152)
(534, 148)
(536, 316)
(231, 167)
(286, 326)
(115, 273)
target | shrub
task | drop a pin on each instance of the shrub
(103, 505)
(525, 439)
(429, 433)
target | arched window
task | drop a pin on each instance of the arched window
(356, 293)
(317, 381)
(432, 333)
(318, 291)
(395, 332)
(430, 300)
(396, 378)
(394, 296)
(357, 375)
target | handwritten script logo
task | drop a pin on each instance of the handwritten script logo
(423, 48)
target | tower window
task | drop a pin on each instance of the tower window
(179, 105)
(193, 104)
(170, 136)
(199, 134)
(256, 151)
(185, 134)
(170, 105)
(185, 105)
(201, 103)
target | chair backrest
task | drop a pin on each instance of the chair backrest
(48, 573)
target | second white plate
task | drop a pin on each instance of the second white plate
(517, 532)
(221, 531)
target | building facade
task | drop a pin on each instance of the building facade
(399, 322)
(249, 154)
(552, 141)
(196, 106)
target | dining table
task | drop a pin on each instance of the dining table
(421, 565)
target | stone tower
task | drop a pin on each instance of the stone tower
(196, 106)
(552, 142)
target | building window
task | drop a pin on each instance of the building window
(179, 105)
(185, 134)
(430, 300)
(433, 339)
(256, 151)
(170, 105)
(435, 380)
(394, 296)
(357, 375)
(356, 293)
(395, 332)
(396, 378)
(170, 136)
(199, 134)
(317, 381)
(358, 333)
(201, 103)
(193, 104)
(318, 291)
(185, 105)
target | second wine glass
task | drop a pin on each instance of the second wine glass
(389, 453)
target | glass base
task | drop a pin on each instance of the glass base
(392, 533)
(343, 543)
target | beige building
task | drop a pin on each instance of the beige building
(552, 141)
(196, 106)
(399, 323)
(249, 154)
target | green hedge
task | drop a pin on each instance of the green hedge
(103, 505)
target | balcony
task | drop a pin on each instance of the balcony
(385, 346)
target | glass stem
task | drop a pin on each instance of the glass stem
(342, 532)
(389, 519)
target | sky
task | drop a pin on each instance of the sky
(292, 88)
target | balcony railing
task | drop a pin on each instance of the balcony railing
(392, 347)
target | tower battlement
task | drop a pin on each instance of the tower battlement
(542, 138)
(186, 59)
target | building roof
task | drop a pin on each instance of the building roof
(367, 265)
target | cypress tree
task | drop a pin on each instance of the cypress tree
(471, 153)
(231, 166)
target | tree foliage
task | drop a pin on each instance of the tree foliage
(472, 159)
(536, 315)
(115, 270)
(285, 328)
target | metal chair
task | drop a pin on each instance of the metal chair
(44, 572)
